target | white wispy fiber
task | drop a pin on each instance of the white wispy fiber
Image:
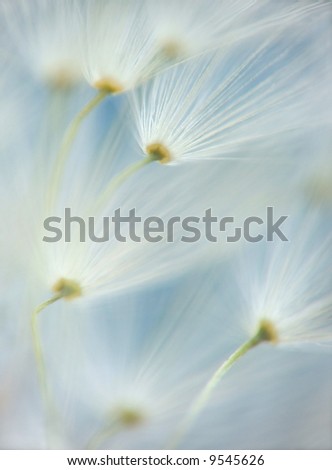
(186, 28)
(142, 365)
(272, 399)
(44, 37)
(189, 27)
(314, 183)
(123, 372)
(216, 105)
(289, 283)
(146, 358)
(119, 46)
(104, 268)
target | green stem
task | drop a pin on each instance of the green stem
(203, 398)
(119, 179)
(66, 145)
(40, 362)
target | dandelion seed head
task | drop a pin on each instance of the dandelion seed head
(189, 27)
(61, 76)
(119, 47)
(67, 288)
(214, 106)
(129, 416)
(267, 331)
(104, 268)
(46, 36)
(286, 287)
(109, 85)
(139, 366)
(172, 49)
(159, 153)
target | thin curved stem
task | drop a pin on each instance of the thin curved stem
(40, 362)
(67, 142)
(203, 398)
(119, 179)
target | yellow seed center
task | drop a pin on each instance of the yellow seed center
(68, 289)
(171, 49)
(159, 152)
(267, 331)
(130, 417)
(320, 188)
(109, 85)
(62, 78)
